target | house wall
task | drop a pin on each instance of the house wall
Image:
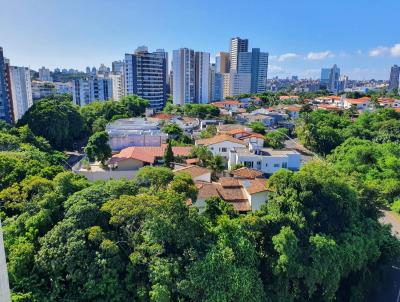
(257, 200)
(129, 164)
(294, 161)
(271, 164)
(216, 149)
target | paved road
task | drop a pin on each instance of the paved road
(390, 291)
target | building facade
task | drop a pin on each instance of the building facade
(330, 79)
(255, 63)
(183, 76)
(86, 91)
(394, 78)
(237, 46)
(118, 90)
(222, 62)
(44, 75)
(202, 75)
(6, 112)
(21, 90)
(145, 75)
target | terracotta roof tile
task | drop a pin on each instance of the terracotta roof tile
(256, 186)
(229, 182)
(246, 173)
(217, 139)
(147, 154)
(193, 171)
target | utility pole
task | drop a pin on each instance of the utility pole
(4, 285)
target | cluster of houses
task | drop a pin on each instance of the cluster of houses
(138, 142)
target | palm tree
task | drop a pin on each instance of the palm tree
(217, 165)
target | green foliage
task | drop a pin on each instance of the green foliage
(183, 183)
(173, 130)
(203, 154)
(395, 207)
(202, 111)
(168, 156)
(209, 132)
(276, 138)
(257, 127)
(58, 121)
(98, 147)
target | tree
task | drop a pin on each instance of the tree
(276, 139)
(257, 127)
(155, 177)
(168, 156)
(203, 154)
(209, 132)
(58, 121)
(183, 183)
(98, 147)
(217, 165)
(173, 131)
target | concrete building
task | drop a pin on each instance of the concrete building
(330, 79)
(85, 91)
(211, 83)
(118, 67)
(218, 88)
(240, 83)
(237, 46)
(118, 90)
(6, 112)
(266, 160)
(21, 90)
(202, 75)
(255, 63)
(222, 62)
(183, 76)
(226, 90)
(44, 75)
(394, 78)
(146, 76)
(130, 132)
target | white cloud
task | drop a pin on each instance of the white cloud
(287, 56)
(319, 55)
(378, 51)
(395, 50)
(275, 69)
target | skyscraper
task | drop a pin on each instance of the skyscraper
(5, 93)
(183, 76)
(330, 79)
(118, 89)
(145, 76)
(237, 46)
(394, 78)
(202, 74)
(118, 67)
(254, 63)
(211, 83)
(21, 90)
(222, 62)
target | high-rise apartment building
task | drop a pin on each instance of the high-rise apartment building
(44, 75)
(202, 75)
(118, 89)
(6, 113)
(222, 62)
(118, 67)
(86, 91)
(211, 83)
(21, 90)
(183, 76)
(145, 75)
(394, 78)
(237, 46)
(240, 83)
(254, 63)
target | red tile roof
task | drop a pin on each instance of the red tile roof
(147, 154)
(218, 139)
(162, 116)
(193, 171)
(246, 173)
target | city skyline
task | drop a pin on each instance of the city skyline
(298, 36)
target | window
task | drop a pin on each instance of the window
(223, 149)
(276, 165)
(248, 164)
(284, 165)
(211, 148)
(266, 164)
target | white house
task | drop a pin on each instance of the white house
(266, 160)
(221, 144)
(360, 104)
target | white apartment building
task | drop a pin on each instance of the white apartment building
(118, 90)
(202, 73)
(183, 76)
(237, 46)
(21, 90)
(93, 89)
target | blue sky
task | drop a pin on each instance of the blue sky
(361, 36)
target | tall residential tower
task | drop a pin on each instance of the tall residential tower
(394, 78)
(6, 113)
(237, 46)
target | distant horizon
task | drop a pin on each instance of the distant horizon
(301, 38)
